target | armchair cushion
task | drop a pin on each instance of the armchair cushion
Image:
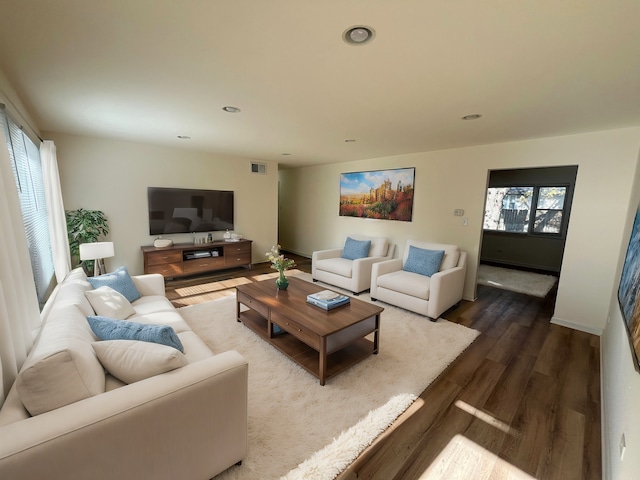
(339, 266)
(409, 283)
(422, 261)
(354, 249)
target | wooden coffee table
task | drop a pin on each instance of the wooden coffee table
(322, 342)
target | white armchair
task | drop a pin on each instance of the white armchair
(429, 296)
(330, 267)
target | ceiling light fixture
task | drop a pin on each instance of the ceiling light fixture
(184, 137)
(349, 140)
(230, 109)
(473, 116)
(358, 35)
(286, 154)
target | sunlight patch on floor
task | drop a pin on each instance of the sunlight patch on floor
(463, 459)
(267, 276)
(488, 419)
(207, 297)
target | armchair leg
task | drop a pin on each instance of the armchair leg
(314, 280)
(374, 299)
(433, 319)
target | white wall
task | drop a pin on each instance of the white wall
(456, 178)
(113, 176)
(620, 381)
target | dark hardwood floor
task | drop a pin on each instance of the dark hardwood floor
(523, 401)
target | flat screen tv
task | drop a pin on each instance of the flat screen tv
(183, 210)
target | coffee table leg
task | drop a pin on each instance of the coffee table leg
(323, 360)
(237, 310)
(376, 335)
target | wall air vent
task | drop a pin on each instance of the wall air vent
(259, 168)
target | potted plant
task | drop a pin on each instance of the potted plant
(84, 226)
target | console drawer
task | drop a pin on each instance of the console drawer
(202, 265)
(166, 270)
(241, 247)
(296, 330)
(236, 259)
(253, 304)
(162, 257)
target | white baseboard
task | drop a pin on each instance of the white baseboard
(576, 326)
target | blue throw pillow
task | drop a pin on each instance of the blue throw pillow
(111, 329)
(354, 249)
(422, 261)
(120, 281)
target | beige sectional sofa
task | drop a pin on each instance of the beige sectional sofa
(67, 418)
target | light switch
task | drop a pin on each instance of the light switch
(465, 222)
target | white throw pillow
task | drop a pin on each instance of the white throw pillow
(133, 360)
(106, 302)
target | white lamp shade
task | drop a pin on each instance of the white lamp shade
(97, 250)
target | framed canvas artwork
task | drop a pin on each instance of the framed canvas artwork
(629, 289)
(381, 194)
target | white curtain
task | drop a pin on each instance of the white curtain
(19, 309)
(55, 210)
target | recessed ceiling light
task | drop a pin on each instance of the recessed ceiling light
(358, 35)
(286, 154)
(231, 109)
(473, 116)
(349, 140)
(184, 137)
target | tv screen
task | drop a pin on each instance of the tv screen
(183, 210)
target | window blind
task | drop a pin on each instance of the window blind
(27, 171)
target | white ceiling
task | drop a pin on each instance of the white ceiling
(150, 70)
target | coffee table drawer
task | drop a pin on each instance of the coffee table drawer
(253, 304)
(296, 330)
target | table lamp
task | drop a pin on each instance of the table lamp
(96, 251)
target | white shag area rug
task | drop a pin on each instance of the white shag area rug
(520, 281)
(301, 430)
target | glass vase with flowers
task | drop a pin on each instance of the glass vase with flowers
(280, 263)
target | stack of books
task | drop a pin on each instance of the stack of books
(327, 299)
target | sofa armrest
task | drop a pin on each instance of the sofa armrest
(446, 290)
(361, 272)
(323, 255)
(388, 266)
(381, 268)
(149, 284)
(187, 423)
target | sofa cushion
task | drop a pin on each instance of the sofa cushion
(112, 329)
(62, 367)
(120, 281)
(172, 319)
(408, 283)
(339, 266)
(134, 360)
(422, 261)
(106, 302)
(152, 304)
(354, 249)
